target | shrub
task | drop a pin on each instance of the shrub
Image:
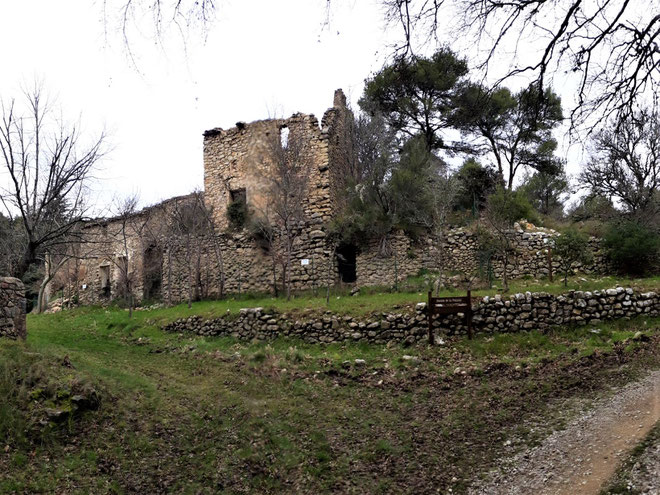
(237, 213)
(632, 247)
(572, 246)
(507, 207)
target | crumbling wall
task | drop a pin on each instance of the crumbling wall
(339, 125)
(386, 262)
(12, 308)
(518, 312)
(248, 266)
(241, 158)
(101, 268)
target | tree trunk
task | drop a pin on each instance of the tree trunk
(40, 298)
(505, 277)
(274, 263)
(28, 258)
(190, 275)
(396, 273)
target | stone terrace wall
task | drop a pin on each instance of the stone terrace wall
(529, 311)
(12, 308)
(531, 260)
(457, 252)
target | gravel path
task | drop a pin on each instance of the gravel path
(583, 457)
(641, 474)
(645, 474)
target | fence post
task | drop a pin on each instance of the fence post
(428, 316)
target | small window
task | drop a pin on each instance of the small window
(105, 279)
(284, 136)
(238, 196)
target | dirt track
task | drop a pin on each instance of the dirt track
(583, 457)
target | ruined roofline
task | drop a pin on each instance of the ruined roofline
(240, 126)
(339, 101)
(100, 221)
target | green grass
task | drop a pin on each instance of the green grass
(374, 299)
(188, 414)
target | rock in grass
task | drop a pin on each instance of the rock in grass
(57, 415)
(360, 362)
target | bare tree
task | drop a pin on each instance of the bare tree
(503, 208)
(609, 45)
(443, 189)
(122, 230)
(54, 261)
(158, 17)
(48, 169)
(189, 222)
(625, 164)
(289, 166)
(265, 234)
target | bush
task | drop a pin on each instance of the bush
(506, 207)
(237, 213)
(632, 247)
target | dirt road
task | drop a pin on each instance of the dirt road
(580, 459)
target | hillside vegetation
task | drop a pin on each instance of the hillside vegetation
(183, 414)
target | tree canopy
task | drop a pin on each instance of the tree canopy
(515, 130)
(416, 96)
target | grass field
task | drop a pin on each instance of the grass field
(187, 414)
(377, 299)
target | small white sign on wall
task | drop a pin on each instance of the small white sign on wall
(84, 286)
(304, 262)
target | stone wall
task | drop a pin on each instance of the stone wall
(457, 252)
(12, 308)
(248, 266)
(241, 159)
(531, 258)
(529, 311)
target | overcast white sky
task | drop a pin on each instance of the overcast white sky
(261, 57)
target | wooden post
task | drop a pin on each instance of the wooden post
(428, 316)
(468, 314)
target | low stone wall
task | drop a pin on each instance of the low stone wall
(529, 311)
(12, 308)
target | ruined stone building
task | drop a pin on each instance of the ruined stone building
(210, 257)
(238, 165)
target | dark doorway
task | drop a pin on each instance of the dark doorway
(346, 263)
(152, 269)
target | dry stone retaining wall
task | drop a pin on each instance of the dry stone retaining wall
(457, 252)
(529, 311)
(12, 308)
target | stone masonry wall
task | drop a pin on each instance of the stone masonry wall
(248, 267)
(241, 158)
(531, 259)
(458, 252)
(12, 308)
(529, 311)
